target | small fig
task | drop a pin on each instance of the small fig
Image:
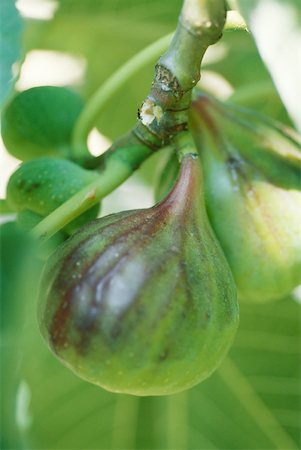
(39, 122)
(252, 171)
(142, 302)
(43, 184)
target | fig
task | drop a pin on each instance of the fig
(142, 302)
(252, 170)
(39, 122)
(43, 184)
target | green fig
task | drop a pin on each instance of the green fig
(43, 184)
(39, 122)
(142, 302)
(252, 175)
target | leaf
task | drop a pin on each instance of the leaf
(39, 121)
(10, 45)
(276, 27)
(256, 389)
(16, 249)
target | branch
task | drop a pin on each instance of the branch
(163, 114)
(118, 79)
(101, 97)
(117, 165)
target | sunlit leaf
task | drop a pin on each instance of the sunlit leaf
(276, 27)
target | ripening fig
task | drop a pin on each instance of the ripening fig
(252, 175)
(43, 184)
(142, 302)
(39, 122)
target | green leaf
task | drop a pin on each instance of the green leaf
(16, 250)
(276, 28)
(253, 398)
(10, 45)
(39, 121)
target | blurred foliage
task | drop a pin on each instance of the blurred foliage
(279, 44)
(10, 45)
(108, 32)
(252, 401)
(85, 29)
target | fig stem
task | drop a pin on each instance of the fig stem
(109, 88)
(120, 77)
(185, 145)
(117, 165)
(163, 115)
(116, 172)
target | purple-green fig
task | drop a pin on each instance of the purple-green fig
(142, 302)
(43, 184)
(252, 176)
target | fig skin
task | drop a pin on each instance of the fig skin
(41, 185)
(39, 121)
(142, 302)
(253, 197)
